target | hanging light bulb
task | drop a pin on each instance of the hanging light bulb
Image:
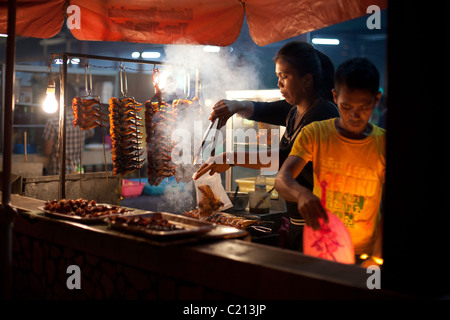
(50, 104)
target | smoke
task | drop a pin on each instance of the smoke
(217, 71)
(189, 71)
(177, 198)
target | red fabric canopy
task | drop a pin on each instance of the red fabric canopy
(271, 20)
(35, 18)
(171, 21)
(215, 22)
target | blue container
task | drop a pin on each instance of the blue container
(20, 149)
(160, 189)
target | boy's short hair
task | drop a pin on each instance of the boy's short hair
(357, 73)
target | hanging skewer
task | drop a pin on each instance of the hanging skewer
(125, 133)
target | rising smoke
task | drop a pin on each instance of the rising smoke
(210, 75)
(218, 71)
(190, 71)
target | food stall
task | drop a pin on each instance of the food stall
(120, 265)
(168, 236)
(213, 261)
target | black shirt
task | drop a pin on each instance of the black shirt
(282, 113)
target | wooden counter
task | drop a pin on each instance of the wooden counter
(116, 265)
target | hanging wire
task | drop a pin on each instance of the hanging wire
(155, 80)
(58, 58)
(187, 85)
(120, 78)
(123, 80)
(86, 88)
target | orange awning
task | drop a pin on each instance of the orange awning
(35, 18)
(214, 22)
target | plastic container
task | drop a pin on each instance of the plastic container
(241, 201)
(20, 149)
(248, 184)
(257, 203)
(161, 188)
(132, 188)
(260, 184)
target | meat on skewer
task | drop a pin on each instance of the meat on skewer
(87, 113)
(159, 123)
(125, 135)
(161, 119)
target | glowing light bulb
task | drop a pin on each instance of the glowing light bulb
(50, 104)
(378, 260)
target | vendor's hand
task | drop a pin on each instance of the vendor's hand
(311, 209)
(213, 164)
(224, 109)
(212, 168)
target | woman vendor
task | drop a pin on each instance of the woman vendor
(306, 79)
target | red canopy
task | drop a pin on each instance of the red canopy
(35, 18)
(214, 22)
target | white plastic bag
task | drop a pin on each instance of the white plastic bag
(215, 183)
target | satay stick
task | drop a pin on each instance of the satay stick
(104, 154)
(25, 144)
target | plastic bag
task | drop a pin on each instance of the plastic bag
(215, 183)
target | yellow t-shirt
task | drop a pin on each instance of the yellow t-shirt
(349, 173)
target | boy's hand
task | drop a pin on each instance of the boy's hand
(310, 208)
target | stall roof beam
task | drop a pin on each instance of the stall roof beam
(96, 57)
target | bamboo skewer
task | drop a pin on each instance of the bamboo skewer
(25, 146)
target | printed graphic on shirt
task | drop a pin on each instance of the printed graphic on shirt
(348, 188)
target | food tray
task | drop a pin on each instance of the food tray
(190, 226)
(83, 219)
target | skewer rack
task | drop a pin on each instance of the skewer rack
(63, 98)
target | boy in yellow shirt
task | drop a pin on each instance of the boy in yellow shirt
(348, 156)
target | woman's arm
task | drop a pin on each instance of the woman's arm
(274, 112)
(225, 109)
(223, 162)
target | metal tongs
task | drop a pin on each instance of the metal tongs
(199, 153)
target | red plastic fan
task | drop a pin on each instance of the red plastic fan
(332, 241)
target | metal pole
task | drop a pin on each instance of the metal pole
(7, 213)
(62, 129)
(3, 79)
(95, 57)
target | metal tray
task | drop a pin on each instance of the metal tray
(189, 226)
(83, 219)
